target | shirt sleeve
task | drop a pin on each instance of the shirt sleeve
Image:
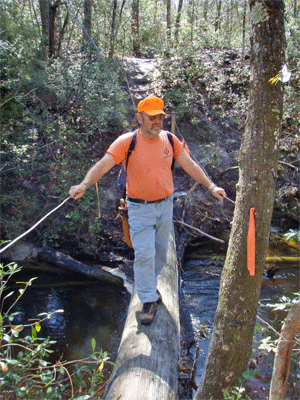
(178, 146)
(119, 148)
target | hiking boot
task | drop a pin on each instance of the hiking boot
(159, 300)
(148, 312)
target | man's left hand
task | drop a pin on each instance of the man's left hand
(218, 192)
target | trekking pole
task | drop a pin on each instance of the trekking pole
(231, 201)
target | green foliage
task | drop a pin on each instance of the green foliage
(238, 392)
(269, 343)
(59, 134)
(25, 372)
(294, 235)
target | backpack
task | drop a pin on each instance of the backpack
(121, 182)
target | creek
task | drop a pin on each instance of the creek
(200, 288)
(91, 309)
(94, 309)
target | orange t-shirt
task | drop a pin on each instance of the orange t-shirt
(149, 174)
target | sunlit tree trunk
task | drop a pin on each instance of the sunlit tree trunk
(231, 343)
(283, 356)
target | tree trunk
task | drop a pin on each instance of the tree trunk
(231, 342)
(113, 24)
(115, 30)
(168, 23)
(205, 9)
(87, 22)
(62, 34)
(295, 9)
(45, 17)
(180, 4)
(192, 18)
(218, 17)
(52, 29)
(282, 361)
(244, 32)
(135, 28)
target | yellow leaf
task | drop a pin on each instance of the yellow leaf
(3, 366)
(101, 367)
(18, 328)
(275, 79)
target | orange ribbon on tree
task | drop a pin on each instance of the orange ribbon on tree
(251, 243)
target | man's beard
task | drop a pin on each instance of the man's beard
(155, 131)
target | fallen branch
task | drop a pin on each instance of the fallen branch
(199, 231)
(194, 369)
(288, 165)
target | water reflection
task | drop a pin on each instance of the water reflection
(91, 309)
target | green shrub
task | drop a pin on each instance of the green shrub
(25, 372)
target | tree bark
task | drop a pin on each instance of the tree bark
(135, 29)
(218, 17)
(62, 34)
(45, 17)
(244, 32)
(282, 361)
(231, 343)
(114, 29)
(87, 22)
(168, 23)
(177, 24)
(113, 24)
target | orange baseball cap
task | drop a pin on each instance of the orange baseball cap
(151, 106)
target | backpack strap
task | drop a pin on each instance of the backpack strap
(170, 137)
(131, 148)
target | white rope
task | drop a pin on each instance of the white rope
(34, 226)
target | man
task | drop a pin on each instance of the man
(149, 190)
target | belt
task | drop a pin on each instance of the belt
(134, 200)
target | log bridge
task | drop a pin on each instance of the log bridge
(147, 361)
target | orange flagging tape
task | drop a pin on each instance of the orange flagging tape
(251, 243)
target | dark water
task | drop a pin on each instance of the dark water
(91, 309)
(200, 287)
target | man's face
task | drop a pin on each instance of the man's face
(151, 124)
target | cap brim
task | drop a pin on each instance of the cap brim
(155, 112)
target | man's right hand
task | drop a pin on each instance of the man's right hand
(77, 191)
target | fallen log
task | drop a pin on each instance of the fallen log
(147, 360)
(55, 257)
